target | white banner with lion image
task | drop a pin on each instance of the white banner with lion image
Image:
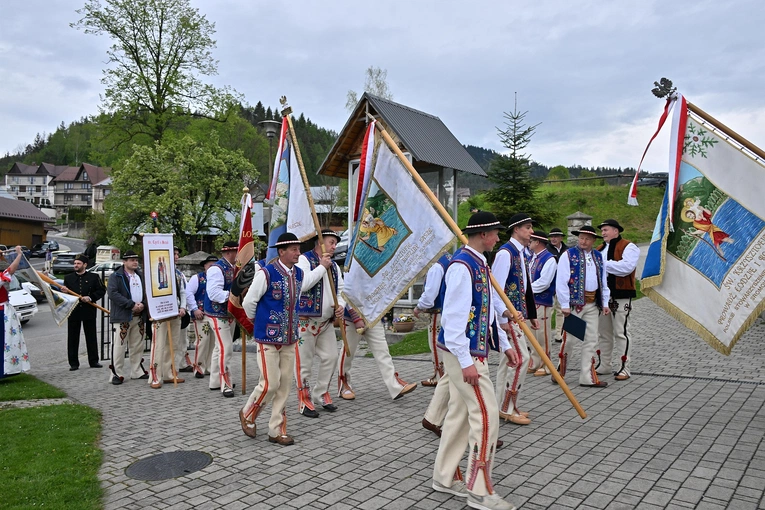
(709, 270)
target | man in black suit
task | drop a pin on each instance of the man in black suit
(91, 289)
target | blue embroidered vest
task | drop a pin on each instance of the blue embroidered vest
(199, 295)
(211, 308)
(276, 318)
(577, 264)
(515, 278)
(438, 303)
(312, 299)
(544, 298)
(477, 329)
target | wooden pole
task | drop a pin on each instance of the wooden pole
(169, 330)
(53, 282)
(458, 232)
(286, 113)
(728, 131)
(243, 336)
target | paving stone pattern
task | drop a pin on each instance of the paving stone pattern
(686, 431)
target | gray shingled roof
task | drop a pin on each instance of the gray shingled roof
(425, 136)
(21, 210)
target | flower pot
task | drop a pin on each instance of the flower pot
(403, 327)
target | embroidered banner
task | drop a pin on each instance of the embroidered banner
(243, 256)
(706, 261)
(159, 274)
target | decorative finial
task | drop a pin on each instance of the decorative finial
(286, 109)
(663, 88)
(245, 190)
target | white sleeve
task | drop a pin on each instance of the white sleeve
(545, 279)
(500, 269)
(456, 313)
(340, 286)
(214, 287)
(605, 291)
(258, 287)
(561, 281)
(627, 265)
(504, 343)
(310, 277)
(191, 289)
(432, 287)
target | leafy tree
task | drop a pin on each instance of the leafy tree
(514, 191)
(376, 83)
(558, 172)
(192, 185)
(161, 49)
(96, 228)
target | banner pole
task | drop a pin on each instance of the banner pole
(458, 232)
(287, 114)
(728, 131)
(44, 277)
(169, 330)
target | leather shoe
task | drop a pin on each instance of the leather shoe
(310, 413)
(599, 384)
(330, 407)
(429, 382)
(410, 387)
(177, 379)
(72, 369)
(247, 428)
(96, 365)
(347, 394)
(228, 393)
(500, 443)
(198, 375)
(283, 440)
(144, 376)
(540, 372)
(431, 427)
(188, 368)
(621, 377)
(156, 385)
(116, 380)
(515, 418)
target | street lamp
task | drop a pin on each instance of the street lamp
(271, 127)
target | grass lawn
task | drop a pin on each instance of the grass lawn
(50, 457)
(27, 387)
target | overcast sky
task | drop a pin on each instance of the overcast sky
(583, 69)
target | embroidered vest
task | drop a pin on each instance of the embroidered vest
(276, 318)
(199, 295)
(477, 329)
(312, 299)
(577, 264)
(622, 287)
(212, 308)
(438, 303)
(544, 298)
(514, 284)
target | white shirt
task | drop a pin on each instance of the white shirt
(546, 276)
(503, 262)
(590, 280)
(628, 263)
(456, 311)
(432, 287)
(215, 282)
(136, 287)
(191, 289)
(327, 304)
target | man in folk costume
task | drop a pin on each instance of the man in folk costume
(217, 320)
(317, 313)
(355, 329)
(542, 269)
(430, 302)
(127, 299)
(271, 303)
(472, 422)
(613, 332)
(512, 272)
(556, 246)
(195, 297)
(583, 291)
(161, 366)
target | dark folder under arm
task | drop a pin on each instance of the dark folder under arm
(574, 326)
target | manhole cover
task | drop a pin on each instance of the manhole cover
(164, 466)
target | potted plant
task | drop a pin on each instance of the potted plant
(404, 323)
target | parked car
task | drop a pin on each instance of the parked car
(30, 287)
(63, 263)
(21, 300)
(39, 250)
(657, 180)
(105, 269)
(341, 250)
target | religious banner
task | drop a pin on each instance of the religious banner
(706, 261)
(399, 235)
(159, 274)
(290, 211)
(243, 256)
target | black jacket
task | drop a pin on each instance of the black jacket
(86, 284)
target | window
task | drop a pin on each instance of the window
(84, 176)
(68, 198)
(38, 189)
(68, 185)
(85, 185)
(22, 189)
(31, 180)
(85, 198)
(15, 180)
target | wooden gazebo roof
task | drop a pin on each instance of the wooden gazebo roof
(424, 136)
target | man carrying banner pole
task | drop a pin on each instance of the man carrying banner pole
(195, 294)
(218, 320)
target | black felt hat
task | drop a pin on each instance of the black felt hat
(130, 254)
(539, 235)
(230, 246)
(587, 229)
(328, 232)
(611, 223)
(482, 221)
(556, 232)
(82, 258)
(210, 258)
(518, 219)
(286, 239)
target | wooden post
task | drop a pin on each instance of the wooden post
(243, 336)
(728, 131)
(44, 277)
(286, 113)
(458, 232)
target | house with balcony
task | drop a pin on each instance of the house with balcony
(74, 187)
(32, 183)
(101, 190)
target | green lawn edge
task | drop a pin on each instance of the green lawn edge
(27, 387)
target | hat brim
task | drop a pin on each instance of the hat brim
(593, 234)
(617, 226)
(284, 244)
(539, 238)
(328, 234)
(520, 222)
(487, 227)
